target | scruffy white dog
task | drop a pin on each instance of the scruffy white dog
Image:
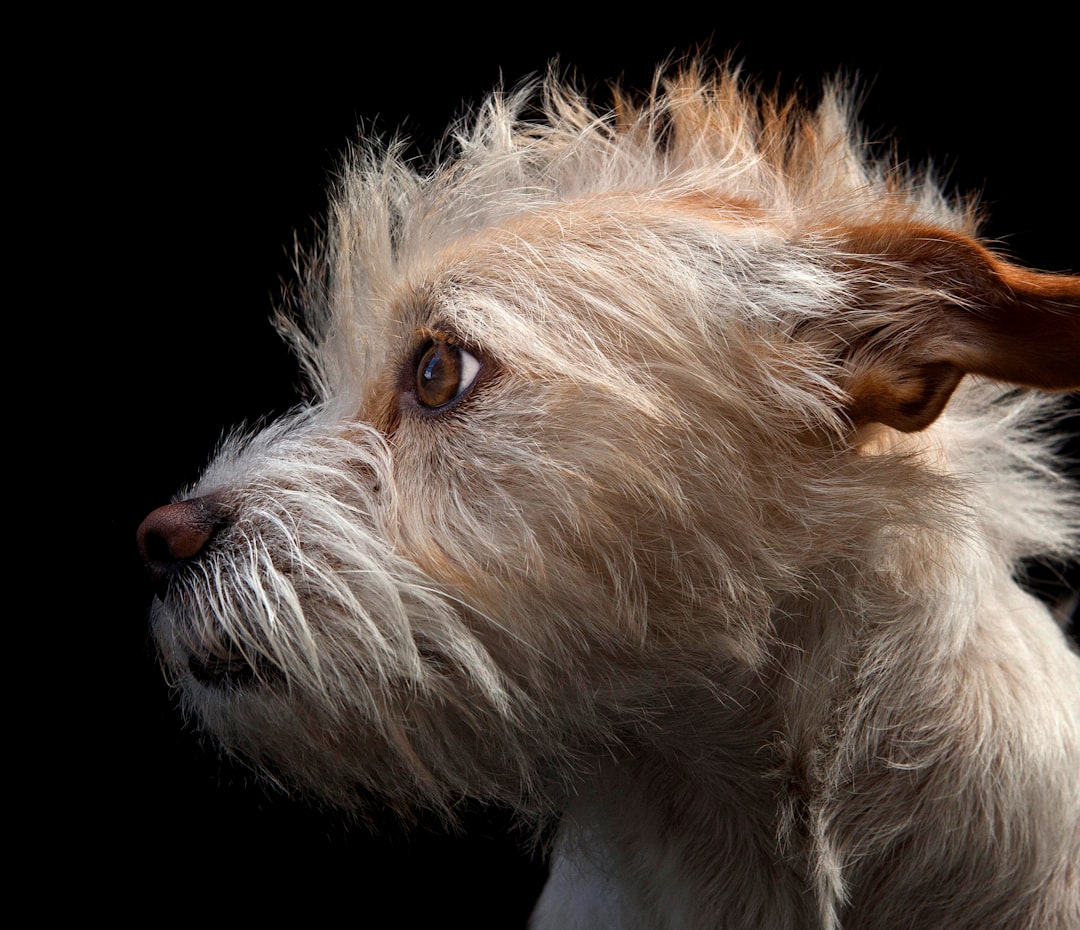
(667, 475)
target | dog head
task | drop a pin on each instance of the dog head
(595, 401)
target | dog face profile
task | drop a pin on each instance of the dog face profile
(678, 448)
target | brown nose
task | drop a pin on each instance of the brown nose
(175, 534)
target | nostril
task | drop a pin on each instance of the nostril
(155, 546)
(177, 533)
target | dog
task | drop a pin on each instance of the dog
(665, 479)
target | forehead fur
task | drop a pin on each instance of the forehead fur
(696, 157)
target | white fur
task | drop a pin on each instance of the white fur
(654, 575)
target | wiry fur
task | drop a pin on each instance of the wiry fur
(686, 566)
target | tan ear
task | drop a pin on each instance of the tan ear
(935, 306)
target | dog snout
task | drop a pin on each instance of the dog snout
(174, 535)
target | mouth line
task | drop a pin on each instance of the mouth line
(229, 672)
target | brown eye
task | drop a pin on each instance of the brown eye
(444, 372)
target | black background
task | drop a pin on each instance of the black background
(182, 157)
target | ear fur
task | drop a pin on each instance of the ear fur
(941, 306)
